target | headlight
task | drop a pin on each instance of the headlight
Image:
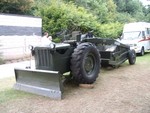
(52, 45)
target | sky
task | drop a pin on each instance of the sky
(145, 2)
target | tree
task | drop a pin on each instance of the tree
(133, 9)
(133, 6)
(121, 5)
(16, 6)
(96, 7)
(146, 11)
(59, 16)
(111, 11)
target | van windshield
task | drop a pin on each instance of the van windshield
(131, 35)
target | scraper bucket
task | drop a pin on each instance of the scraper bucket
(41, 82)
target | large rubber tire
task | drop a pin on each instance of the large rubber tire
(85, 63)
(132, 57)
(142, 51)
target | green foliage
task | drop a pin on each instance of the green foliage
(128, 6)
(104, 10)
(125, 18)
(133, 10)
(146, 11)
(16, 6)
(148, 17)
(111, 30)
(57, 40)
(58, 16)
(111, 13)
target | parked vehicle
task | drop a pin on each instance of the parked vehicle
(137, 36)
(81, 57)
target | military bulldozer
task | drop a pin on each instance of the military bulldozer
(82, 56)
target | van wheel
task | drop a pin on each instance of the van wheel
(142, 51)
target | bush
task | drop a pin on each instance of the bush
(58, 16)
(111, 30)
(57, 40)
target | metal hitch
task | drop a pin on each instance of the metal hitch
(41, 82)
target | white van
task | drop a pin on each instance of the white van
(137, 36)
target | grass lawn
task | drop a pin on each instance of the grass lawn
(145, 58)
(7, 93)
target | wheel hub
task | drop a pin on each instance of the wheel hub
(89, 64)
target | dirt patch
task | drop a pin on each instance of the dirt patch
(122, 90)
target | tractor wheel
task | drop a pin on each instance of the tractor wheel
(85, 63)
(142, 51)
(132, 57)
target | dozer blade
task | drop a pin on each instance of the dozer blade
(41, 82)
